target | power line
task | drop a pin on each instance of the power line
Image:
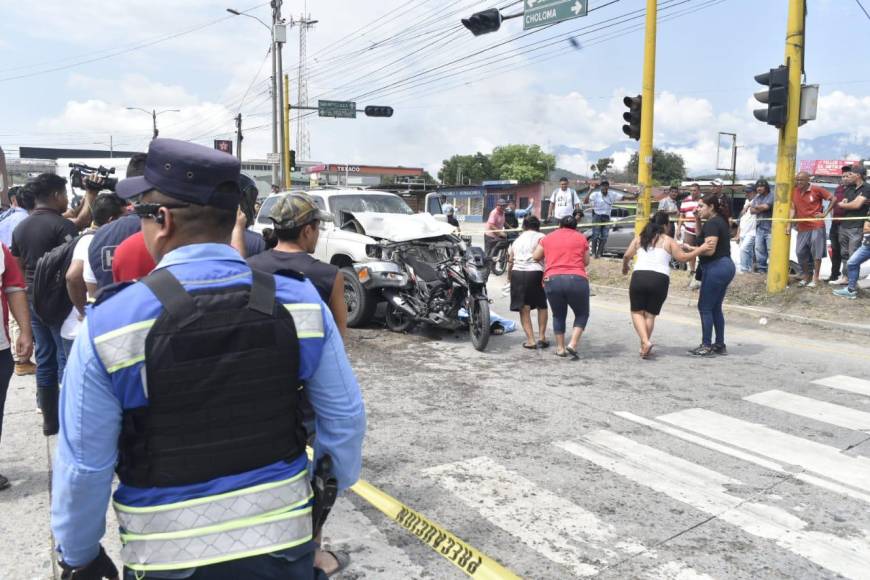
(115, 53)
(864, 10)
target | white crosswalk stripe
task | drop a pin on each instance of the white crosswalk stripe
(844, 383)
(813, 409)
(705, 490)
(788, 449)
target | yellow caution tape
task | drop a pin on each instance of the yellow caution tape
(468, 559)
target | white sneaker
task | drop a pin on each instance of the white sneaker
(840, 282)
(811, 284)
(694, 285)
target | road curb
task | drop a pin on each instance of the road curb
(862, 329)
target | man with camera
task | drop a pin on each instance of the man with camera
(187, 385)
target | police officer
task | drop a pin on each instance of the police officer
(186, 385)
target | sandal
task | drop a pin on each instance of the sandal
(646, 353)
(572, 352)
(543, 343)
(341, 558)
(530, 346)
(560, 354)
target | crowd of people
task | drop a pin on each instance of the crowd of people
(189, 356)
(551, 270)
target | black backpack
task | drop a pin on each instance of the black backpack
(51, 301)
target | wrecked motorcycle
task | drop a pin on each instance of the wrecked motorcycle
(434, 281)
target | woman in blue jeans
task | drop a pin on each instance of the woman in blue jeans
(717, 271)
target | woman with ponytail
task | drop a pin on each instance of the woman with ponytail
(650, 280)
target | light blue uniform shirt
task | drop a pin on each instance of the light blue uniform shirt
(90, 416)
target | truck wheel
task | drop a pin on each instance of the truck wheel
(360, 302)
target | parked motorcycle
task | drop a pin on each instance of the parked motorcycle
(432, 282)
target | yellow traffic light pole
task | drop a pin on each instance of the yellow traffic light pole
(777, 273)
(645, 155)
(288, 178)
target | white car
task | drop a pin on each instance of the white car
(361, 219)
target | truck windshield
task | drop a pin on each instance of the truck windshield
(369, 203)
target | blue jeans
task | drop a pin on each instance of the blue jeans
(565, 291)
(599, 233)
(715, 278)
(747, 253)
(264, 567)
(762, 249)
(50, 357)
(853, 266)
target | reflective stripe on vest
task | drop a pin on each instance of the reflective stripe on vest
(221, 543)
(308, 319)
(256, 501)
(125, 346)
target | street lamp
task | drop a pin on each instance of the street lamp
(154, 114)
(275, 85)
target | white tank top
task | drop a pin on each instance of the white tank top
(654, 259)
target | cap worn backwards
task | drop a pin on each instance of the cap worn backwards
(295, 210)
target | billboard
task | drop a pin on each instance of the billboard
(225, 145)
(825, 167)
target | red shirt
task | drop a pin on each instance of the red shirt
(564, 253)
(807, 204)
(132, 260)
(12, 281)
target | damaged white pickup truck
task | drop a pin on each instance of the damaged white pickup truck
(362, 219)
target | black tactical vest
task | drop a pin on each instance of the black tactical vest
(222, 381)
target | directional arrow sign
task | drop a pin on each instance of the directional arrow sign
(543, 12)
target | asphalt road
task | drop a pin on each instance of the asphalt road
(733, 467)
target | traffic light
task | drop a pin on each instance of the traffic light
(776, 97)
(292, 160)
(373, 111)
(632, 117)
(483, 22)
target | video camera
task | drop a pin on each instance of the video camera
(86, 177)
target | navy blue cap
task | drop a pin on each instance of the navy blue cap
(186, 172)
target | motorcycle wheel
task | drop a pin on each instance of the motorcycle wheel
(398, 320)
(499, 263)
(478, 323)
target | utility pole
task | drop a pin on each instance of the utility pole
(239, 136)
(275, 168)
(280, 36)
(111, 147)
(285, 153)
(303, 139)
(645, 155)
(154, 114)
(777, 273)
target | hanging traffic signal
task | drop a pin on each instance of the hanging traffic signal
(632, 117)
(483, 22)
(373, 111)
(776, 97)
(292, 160)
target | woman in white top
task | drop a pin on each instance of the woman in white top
(526, 278)
(651, 278)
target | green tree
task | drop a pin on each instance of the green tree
(525, 163)
(461, 169)
(602, 165)
(666, 167)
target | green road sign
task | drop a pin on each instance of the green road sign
(543, 12)
(337, 109)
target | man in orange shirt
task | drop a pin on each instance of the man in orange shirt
(811, 240)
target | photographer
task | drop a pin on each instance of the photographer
(93, 180)
(246, 242)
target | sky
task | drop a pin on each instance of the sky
(72, 67)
